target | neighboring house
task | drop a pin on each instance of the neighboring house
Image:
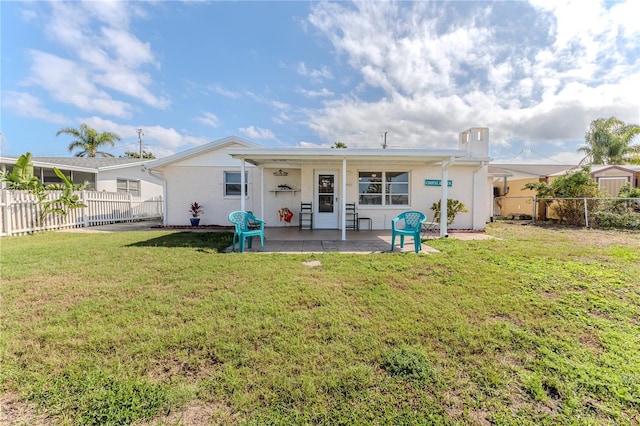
(236, 174)
(103, 174)
(511, 200)
(611, 178)
(510, 197)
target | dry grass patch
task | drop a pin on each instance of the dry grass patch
(198, 413)
(14, 411)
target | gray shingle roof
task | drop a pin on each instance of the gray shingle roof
(91, 163)
(540, 170)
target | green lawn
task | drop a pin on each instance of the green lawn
(541, 326)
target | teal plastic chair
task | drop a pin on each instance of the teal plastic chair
(407, 224)
(247, 226)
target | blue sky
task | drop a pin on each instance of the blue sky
(287, 74)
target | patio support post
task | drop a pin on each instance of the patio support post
(262, 192)
(343, 203)
(243, 192)
(443, 200)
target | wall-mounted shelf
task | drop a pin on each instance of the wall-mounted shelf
(284, 190)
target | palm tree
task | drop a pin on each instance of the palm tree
(608, 141)
(89, 141)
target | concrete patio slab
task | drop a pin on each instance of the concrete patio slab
(293, 240)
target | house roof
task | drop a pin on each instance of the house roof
(91, 165)
(537, 170)
(634, 168)
(292, 157)
(199, 150)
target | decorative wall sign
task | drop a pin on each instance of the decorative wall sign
(436, 182)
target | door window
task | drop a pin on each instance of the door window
(326, 189)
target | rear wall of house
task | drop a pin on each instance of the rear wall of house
(201, 179)
(421, 197)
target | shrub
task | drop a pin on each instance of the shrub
(453, 208)
(612, 220)
(573, 184)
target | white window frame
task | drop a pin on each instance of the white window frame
(384, 194)
(128, 190)
(225, 183)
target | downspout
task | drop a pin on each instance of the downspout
(474, 199)
(165, 207)
(343, 203)
(443, 199)
(243, 191)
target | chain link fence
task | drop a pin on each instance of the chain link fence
(619, 213)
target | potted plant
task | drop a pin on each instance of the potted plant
(196, 211)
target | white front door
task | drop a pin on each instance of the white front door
(326, 200)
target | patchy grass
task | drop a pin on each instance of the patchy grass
(539, 327)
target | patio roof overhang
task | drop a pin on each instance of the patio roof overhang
(296, 157)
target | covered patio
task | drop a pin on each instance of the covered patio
(340, 160)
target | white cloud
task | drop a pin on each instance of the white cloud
(27, 105)
(316, 75)
(67, 82)
(535, 72)
(209, 119)
(216, 88)
(104, 58)
(282, 118)
(322, 93)
(156, 139)
(263, 100)
(528, 156)
(257, 133)
(305, 144)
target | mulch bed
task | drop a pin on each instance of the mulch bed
(211, 227)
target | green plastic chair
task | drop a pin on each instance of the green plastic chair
(407, 224)
(242, 220)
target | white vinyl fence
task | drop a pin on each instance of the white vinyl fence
(20, 211)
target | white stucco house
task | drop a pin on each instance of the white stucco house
(235, 174)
